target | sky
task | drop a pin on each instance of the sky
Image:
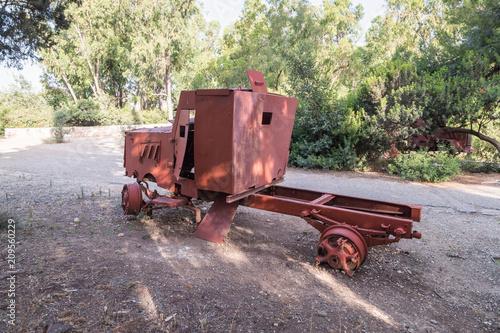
(224, 11)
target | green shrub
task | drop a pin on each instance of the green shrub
(3, 118)
(150, 117)
(480, 167)
(327, 130)
(23, 109)
(424, 166)
(58, 131)
(116, 116)
(485, 151)
(342, 157)
(84, 113)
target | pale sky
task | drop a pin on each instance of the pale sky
(224, 11)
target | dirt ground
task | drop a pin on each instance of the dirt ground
(82, 266)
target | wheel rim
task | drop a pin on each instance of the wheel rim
(342, 247)
(131, 199)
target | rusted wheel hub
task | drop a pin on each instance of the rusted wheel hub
(342, 247)
(131, 199)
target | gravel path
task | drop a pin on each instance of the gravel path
(126, 275)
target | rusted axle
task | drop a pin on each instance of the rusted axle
(134, 195)
(348, 225)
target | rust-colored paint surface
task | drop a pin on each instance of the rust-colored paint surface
(142, 162)
(233, 152)
(216, 223)
(244, 142)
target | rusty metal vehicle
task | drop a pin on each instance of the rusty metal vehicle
(458, 142)
(231, 146)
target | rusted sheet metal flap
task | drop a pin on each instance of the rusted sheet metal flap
(416, 213)
(213, 92)
(216, 223)
(187, 100)
(180, 137)
(213, 160)
(262, 128)
(257, 81)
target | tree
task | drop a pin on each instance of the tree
(267, 31)
(91, 56)
(132, 50)
(164, 41)
(468, 71)
(445, 71)
(408, 25)
(464, 95)
(451, 97)
(26, 26)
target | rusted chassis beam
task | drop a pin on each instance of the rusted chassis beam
(375, 220)
(348, 225)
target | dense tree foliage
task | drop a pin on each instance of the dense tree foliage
(129, 51)
(434, 63)
(453, 82)
(26, 26)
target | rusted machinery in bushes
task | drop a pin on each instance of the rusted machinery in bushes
(458, 142)
(231, 146)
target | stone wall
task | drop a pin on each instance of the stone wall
(45, 132)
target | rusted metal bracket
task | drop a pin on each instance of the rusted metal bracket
(217, 222)
(237, 197)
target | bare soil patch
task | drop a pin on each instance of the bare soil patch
(84, 267)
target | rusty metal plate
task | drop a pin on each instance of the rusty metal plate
(180, 139)
(187, 100)
(217, 222)
(242, 140)
(257, 81)
(148, 152)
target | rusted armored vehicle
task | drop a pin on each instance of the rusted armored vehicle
(231, 146)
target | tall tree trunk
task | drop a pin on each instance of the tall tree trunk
(93, 71)
(495, 143)
(137, 106)
(121, 97)
(65, 79)
(160, 103)
(167, 82)
(95, 76)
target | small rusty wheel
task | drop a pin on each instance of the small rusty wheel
(131, 199)
(342, 247)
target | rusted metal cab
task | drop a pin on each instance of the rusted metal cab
(222, 140)
(231, 146)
